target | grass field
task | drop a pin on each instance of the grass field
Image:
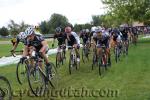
(126, 80)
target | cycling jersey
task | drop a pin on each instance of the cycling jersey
(116, 34)
(102, 40)
(14, 40)
(134, 30)
(37, 42)
(124, 34)
(20, 40)
(61, 38)
(73, 39)
(84, 37)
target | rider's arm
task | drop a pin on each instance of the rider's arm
(44, 46)
(15, 46)
(25, 51)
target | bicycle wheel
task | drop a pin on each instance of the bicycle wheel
(36, 81)
(94, 60)
(99, 65)
(83, 55)
(5, 89)
(58, 57)
(116, 54)
(62, 57)
(102, 64)
(54, 76)
(21, 71)
(70, 64)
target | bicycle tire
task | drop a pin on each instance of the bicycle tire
(57, 60)
(70, 64)
(39, 89)
(55, 77)
(5, 80)
(19, 79)
(94, 60)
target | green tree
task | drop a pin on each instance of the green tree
(57, 20)
(4, 31)
(77, 27)
(96, 20)
(44, 29)
(13, 28)
(127, 11)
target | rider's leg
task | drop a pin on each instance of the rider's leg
(77, 51)
(99, 51)
(48, 65)
(108, 55)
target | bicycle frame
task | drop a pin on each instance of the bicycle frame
(73, 59)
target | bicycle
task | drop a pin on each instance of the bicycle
(38, 77)
(5, 89)
(117, 51)
(94, 59)
(60, 56)
(21, 70)
(73, 63)
(125, 47)
(102, 60)
(85, 52)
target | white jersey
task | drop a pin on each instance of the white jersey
(76, 37)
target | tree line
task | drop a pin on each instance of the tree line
(118, 12)
(45, 27)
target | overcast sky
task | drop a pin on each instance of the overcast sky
(34, 11)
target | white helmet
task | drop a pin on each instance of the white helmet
(87, 30)
(93, 29)
(29, 31)
(99, 27)
(22, 35)
(98, 30)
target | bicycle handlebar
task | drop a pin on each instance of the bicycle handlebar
(13, 52)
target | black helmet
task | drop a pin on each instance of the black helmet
(58, 30)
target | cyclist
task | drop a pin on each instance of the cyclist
(117, 36)
(102, 38)
(134, 34)
(72, 39)
(61, 37)
(21, 37)
(125, 36)
(13, 40)
(85, 36)
(37, 43)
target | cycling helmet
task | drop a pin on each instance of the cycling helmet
(22, 35)
(93, 29)
(97, 30)
(58, 30)
(29, 31)
(83, 30)
(87, 31)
